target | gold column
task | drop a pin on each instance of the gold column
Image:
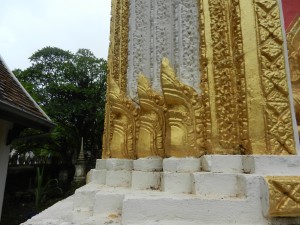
(206, 120)
(277, 112)
(255, 98)
(226, 77)
(120, 112)
(207, 49)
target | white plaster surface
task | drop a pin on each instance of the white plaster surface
(272, 165)
(84, 197)
(98, 176)
(264, 197)
(218, 186)
(108, 203)
(119, 178)
(161, 208)
(222, 163)
(101, 164)
(163, 28)
(176, 182)
(146, 180)
(181, 165)
(148, 164)
(189, 210)
(59, 213)
(119, 164)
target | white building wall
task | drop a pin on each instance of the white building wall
(4, 156)
(163, 28)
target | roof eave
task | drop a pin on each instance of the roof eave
(16, 115)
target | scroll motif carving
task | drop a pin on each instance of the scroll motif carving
(122, 124)
(293, 39)
(284, 196)
(184, 134)
(151, 136)
(278, 119)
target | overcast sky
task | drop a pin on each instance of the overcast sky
(29, 25)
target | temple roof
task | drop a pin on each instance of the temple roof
(16, 105)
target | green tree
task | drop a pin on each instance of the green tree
(71, 90)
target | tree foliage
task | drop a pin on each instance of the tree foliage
(71, 90)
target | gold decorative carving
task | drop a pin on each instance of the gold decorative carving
(229, 77)
(293, 40)
(184, 134)
(117, 73)
(278, 119)
(284, 196)
(239, 69)
(150, 141)
(182, 123)
(204, 83)
(123, 120)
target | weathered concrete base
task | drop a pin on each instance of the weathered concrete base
(175, 191)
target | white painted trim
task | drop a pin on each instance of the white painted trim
(4, 157)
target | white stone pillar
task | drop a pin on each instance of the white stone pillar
(4, 156)
(163, 28)
(187, 42)
(139, 44)
(162, 37)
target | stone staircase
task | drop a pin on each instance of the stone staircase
(179, 191)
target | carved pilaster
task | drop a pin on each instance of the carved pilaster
(204, 83)
(123, 120)
(184, 134)
(229, 81)
(151, 136)
(278, 119)
(117, 64)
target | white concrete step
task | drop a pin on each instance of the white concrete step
(101, 205)
(192, 209)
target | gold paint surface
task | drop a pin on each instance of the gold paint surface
(184, 133)
(206, 119)
(244, 103)
(228, 87)
(224, 77)
(284, 196)
(278, 119)
(117, 81)
(151, 134)
(293, 40)
(123, 124)
(255, 98)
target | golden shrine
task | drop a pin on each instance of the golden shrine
(243, 105)
(200, 125)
